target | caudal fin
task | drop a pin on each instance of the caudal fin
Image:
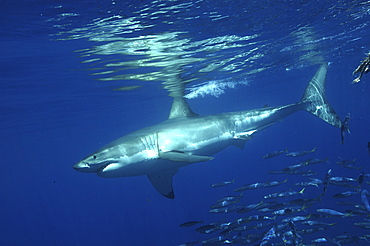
(315, 99)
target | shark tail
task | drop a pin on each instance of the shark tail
(315, 100)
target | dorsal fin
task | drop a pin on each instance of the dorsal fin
(180, 108)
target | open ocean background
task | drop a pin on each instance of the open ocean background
(60, 62)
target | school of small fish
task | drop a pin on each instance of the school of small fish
(298, 215)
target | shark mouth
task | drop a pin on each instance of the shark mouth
(85, 167)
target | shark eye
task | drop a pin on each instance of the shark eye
(94, 157)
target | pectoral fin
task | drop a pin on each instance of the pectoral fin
(162, 182)
(183, 157)
(244, 135)
(239, 143)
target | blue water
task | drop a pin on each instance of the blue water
(60, 63)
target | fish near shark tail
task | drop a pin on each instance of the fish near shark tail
(315, 99)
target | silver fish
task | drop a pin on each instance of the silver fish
(300, 153)
(344, 194)
(190, 223)
(250, 187)
(274, 154)
(283, 194)
(221, 184)
(331, 212)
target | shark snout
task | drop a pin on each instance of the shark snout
(88, 167)
(83, 167)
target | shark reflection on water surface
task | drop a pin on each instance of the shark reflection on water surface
(158, 151)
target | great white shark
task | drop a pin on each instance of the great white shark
(158, 151)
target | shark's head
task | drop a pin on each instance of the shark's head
(97, 161)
